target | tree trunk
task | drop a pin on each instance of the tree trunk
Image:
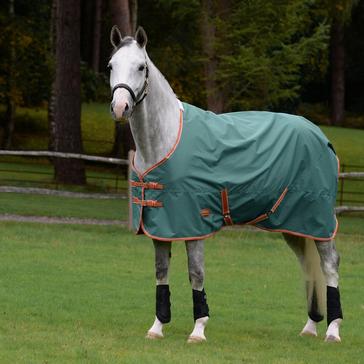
(68, 93)
(214, 98)
(124, 15)
(97, 36)
(87, 30)
(9, 122)
(337, 73)
(121, 16)
(52, 96)
(133, 15)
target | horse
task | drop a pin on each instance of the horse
(159, 125)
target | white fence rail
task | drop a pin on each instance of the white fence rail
(63, 155)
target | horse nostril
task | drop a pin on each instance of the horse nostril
(126, 107)
(112, 106)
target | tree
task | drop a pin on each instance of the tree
(68, 93)
(123, 13)
(97, 36)
(24, 61)
(262, 48)
(340, 11)
(9, 122)
(354, 47)
(52, 93)
(214, 94)
(175, 45)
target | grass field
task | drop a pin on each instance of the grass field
(55, 206)
(76, 294)
(85, 294)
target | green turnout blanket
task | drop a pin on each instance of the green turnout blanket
(272, 170)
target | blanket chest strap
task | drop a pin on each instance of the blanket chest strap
(147, 185)
(147, 203)
(225, 207)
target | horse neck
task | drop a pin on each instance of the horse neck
(155, 122)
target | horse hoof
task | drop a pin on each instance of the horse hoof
(153, 336)
(195, 339)
(308, 333)
(332, 339)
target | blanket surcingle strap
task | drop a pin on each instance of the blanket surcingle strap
(275, 171)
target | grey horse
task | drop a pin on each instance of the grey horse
(141, 94)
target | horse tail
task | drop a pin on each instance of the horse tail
(315, 280)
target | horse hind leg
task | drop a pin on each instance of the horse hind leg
(163, 304)
(195, 255)
(310, 265)
(330, 261)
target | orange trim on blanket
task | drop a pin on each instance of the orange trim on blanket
(300, 234)
(338, 166)
(188, 238)
(261, 228)
(142, 175)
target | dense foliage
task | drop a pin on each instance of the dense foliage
(24, 45)
(269, 54)
(268, 49)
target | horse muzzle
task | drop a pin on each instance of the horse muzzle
(119, 110)
(121, 106)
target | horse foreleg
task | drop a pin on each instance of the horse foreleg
(163, 304)
(196, 271)
(298, 246)
(330, 266)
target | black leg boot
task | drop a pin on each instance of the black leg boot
(200, 306)
(163, 303)
(333, 304)
(334, 315)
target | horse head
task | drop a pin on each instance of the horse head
(128, 72)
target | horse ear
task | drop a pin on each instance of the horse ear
(115, 36)
(141, 37)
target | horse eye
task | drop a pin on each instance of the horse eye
(141, 67)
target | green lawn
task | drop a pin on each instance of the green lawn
(348, 143)
(57, 206)
(39, 173)
(76, 294)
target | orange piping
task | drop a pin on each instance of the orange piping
(142, 175)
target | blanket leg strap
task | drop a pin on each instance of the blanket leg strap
(225, 207)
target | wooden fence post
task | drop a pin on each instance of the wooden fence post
(130, 204)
